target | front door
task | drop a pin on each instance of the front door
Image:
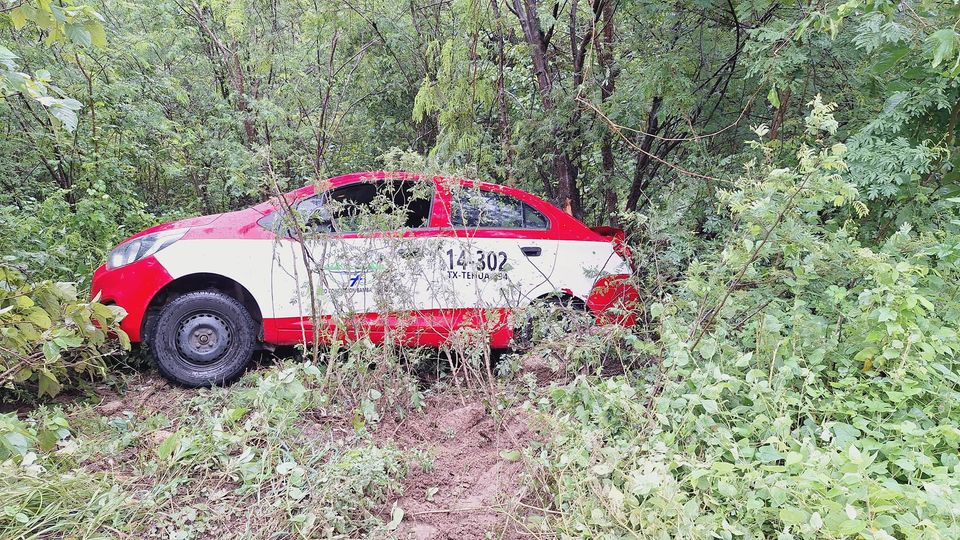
(370, 254)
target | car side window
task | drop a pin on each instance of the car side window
(481, 209)
(383, 205)
(533, 219)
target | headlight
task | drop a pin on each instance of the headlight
(138, 248)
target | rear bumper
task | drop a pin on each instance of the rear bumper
(614, 300)
(130, 287)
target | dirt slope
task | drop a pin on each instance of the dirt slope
(467, 485)
(473, 479)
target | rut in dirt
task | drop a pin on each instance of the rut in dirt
(472, 485)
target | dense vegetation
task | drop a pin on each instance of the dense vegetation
(787, 173)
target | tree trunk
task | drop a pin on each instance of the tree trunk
(567, 193)
(505, 144)
(607, 161)
(779, 115)
(643, 156)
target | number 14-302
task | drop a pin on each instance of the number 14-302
(481, 260)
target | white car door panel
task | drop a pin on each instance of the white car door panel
(488, 273)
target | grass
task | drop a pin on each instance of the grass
(42, 502)
(287, 448)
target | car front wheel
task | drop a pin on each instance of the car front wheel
(203, 338)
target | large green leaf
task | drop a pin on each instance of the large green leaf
(64, 110)
(7, 58)
(943, 45)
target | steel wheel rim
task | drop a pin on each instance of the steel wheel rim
(202, 338)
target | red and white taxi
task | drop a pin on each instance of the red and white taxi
(388, 256)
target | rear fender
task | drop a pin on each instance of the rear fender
(614, 300)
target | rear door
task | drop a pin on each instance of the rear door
(498, 254)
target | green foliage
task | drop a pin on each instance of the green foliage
(49, 337)
(64, 23)
(267, 455)
(39, 499)
(19, 438)
(40, 503)
(48, 240)
(808, 385)
(906, 148)
(455, 93)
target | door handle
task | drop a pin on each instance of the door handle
(531, 251)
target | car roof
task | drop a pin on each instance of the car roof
(344, 179)
(556, 216)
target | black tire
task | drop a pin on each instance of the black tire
(203, 338)
(549, 318)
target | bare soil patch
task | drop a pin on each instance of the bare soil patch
(473, 483)
(146, 395)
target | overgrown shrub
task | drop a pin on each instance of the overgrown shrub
(808, 387)
(49, 336)
(52, 239)
(19, 438)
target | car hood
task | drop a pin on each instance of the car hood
(200, 221)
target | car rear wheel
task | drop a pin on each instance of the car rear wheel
(203, 338)
(548, 319)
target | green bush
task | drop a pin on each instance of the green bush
(50, 239)
(19, 438)
(49, 336)
(808, 386)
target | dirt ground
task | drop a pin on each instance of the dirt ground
(468, 485)
(150, 393)
(473, 480)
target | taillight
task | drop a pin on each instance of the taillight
(619, 240)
